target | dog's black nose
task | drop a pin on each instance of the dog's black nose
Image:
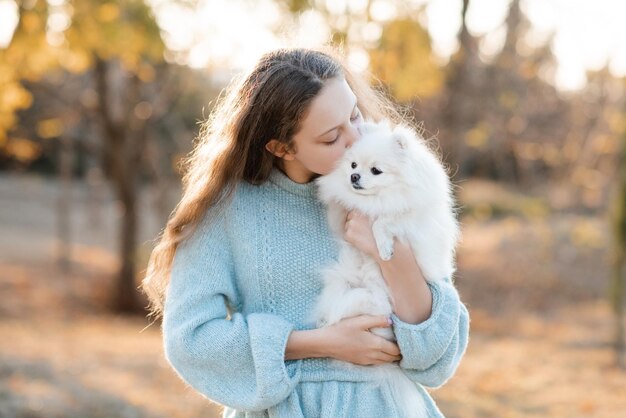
(355, 177)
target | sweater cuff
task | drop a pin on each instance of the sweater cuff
(268, 341)
(421, 345)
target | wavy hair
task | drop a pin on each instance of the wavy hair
(268, 102)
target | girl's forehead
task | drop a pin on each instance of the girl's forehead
(329, 109)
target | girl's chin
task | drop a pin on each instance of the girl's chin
(315, 176)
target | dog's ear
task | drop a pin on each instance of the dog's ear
(367, 127)
(402, 135)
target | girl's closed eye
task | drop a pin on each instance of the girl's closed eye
(333, 141)
(353, 118)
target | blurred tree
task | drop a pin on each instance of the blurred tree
(340, 17)
(26, 58)
(117, 45)
(403, 61)
(591, 149)
(618, 287)
(500, 118)
(398, 50)
(462, 81)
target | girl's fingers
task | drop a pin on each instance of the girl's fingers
(379, 321)
(385, 358)
(374, 321)
(391, 349)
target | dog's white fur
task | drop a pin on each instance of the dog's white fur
(409, 199)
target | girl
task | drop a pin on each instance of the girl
(243, 248)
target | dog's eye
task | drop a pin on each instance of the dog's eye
(376, 171)
(353, 165)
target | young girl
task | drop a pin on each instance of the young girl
(243, 249)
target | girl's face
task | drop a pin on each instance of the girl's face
(330, 126)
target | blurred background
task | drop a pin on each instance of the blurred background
(100, 99)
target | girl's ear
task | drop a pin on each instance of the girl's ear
(279, 149)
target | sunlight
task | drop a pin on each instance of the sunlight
(587, 36)
(8, 21)
(233, 33)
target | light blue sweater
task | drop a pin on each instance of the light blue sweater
(242, 283)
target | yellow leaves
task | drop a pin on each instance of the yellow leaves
(13, 97)
(124, 29)
(484, 199)
(587, 177)
(31, 23)
(616, 120)
(605, 144)
(7, 120)
(108, 12)
(591, 182)
(508, 99)
(130, 61)
(529, 150)
(76, 61)
(403, 60)
(22, 149)
(146, 73)
(533, 151)
(478, 136)
(552, 155)
(586, 233)
(528, 70)
(50, 128)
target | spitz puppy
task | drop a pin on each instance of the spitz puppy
(392, 176)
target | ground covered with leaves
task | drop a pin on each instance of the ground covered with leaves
(535, 285)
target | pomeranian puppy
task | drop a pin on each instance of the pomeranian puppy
(392, 176)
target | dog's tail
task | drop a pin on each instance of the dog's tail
(406, 395)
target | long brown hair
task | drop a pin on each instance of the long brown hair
(269, 102)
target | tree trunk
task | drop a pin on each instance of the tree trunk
(619, 255)
(457, 115)
(126, 294)
(617, 302)
(64, 205)
(121, 154)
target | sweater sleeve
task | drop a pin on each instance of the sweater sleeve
(238, 361)
(432, 350)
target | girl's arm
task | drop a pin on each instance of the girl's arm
(412, 297)
(305, 344)
(349, 340)
(238, 361)
(432, 350)
(431, 323)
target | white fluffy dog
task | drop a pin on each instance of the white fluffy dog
(392, 176)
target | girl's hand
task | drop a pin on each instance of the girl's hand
(350, 340)
(358, 232)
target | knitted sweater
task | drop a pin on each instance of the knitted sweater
(240, 284)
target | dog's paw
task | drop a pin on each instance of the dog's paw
(386, 333)
(321, 323)
(386, 252)
(384, 240)
(386, 256)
